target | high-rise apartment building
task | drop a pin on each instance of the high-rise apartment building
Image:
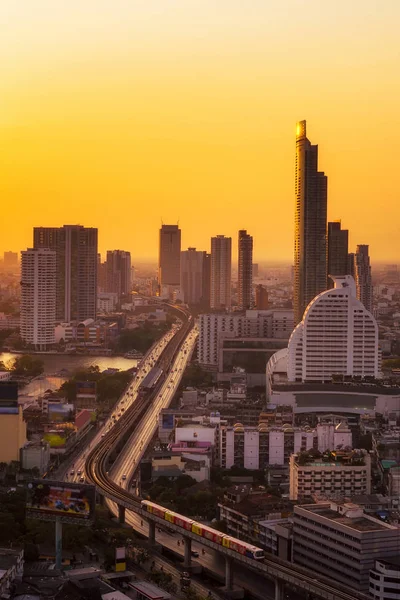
(192, 275)
(118, 272)
(205, 301)
(362, 276)
(221, 269)
(76, 269)
(337, 336)
(169, 263)
(38, 297)
(310, 243)
(245, 270)
(261, 302)
(338, 251)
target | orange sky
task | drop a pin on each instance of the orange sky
(120, 114)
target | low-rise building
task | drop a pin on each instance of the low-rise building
(35, 455)
(11, 568)
(336, 473)
(342, 542)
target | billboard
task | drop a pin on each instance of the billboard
(86, 388)
(8, 398)
(60, 412)
(73, 502)
(120, 560)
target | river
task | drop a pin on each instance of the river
(54, 363)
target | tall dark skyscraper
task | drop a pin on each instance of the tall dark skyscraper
(338, 249)
(192, 275)
(169, 263)
(362, 275)
(76, 269)
(245, 270)
(310, 242)
(221, 270)
(205, 301)
(118, 272)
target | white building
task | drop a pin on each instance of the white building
(384, 579)
(38, 297)
(221, 272)
(107, 302)
(337, 336)
(341, 542)
(215, 329)
(344, 473)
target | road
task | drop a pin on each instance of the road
(77, 471)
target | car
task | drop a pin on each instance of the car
(195, 554)
(103, 435)
(79, 472)
(72, 472)
(124, 477)
(82, 479)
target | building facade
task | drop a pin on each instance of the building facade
(245, 270)
(76, 269)
(169, 262)
(118, 272)
(339, 473)
(261, 302)
(221, 273)
(337, 336)
(341, 542)
(310, 244)
(338, 251)
(192, 276)
(362, 276)
(38, 297)
(12, 424)
(384, 579)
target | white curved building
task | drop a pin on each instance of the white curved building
(337, 336)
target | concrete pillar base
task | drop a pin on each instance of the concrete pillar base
(279, 590)
(152, 533)
(236, 593)
(187, 561)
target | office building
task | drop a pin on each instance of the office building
(261, 302)
(310, 244)
(221, 268)
(340, 541)
(118, 272)
(192, 276)
(337, 336)
(337, 473)
(362, 276)
(12, 425)
(76, 269)
(338, 251)
(205, 301)
(222, 335)
(38, 297)
(384, 579)
(245, 270)
(169, 262)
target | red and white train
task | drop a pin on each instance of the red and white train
(203, 531)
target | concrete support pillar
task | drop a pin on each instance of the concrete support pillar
(121, 514)
(228, 573)
(279, 590)
(188, 552)
(152, 533)
(58, 544)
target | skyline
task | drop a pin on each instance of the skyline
(125, 116)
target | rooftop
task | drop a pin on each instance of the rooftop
(362, 523)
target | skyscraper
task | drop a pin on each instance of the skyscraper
(205, 301)
(245, 271)
(262, 302)
(118, 272)
(169, 263)
(76, 269)
(38, 297)
(221, 268)
(362, 275)
(192, 275)
(310, 247)
(338, 249)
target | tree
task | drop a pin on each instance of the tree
(27, 366)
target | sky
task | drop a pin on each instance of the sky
(122, 114)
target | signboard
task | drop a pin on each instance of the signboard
(73, 502)
(60, 412)
(120, 560)
(86, 388)
(8, 398)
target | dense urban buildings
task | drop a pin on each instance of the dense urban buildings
(337, 336)
(261, 299)
(342, 542)
(192, 276)
(245, 268)
(338, 251)
(12, 424)
(221, 269)
(310, 244)
(118, 272)
(38, 297)
(169, 261)
(76, 269)
(362, 275)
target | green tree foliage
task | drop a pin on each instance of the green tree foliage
(142, 338)
(27, 366)
(195, 376)
(109, 386)
(391, 363)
